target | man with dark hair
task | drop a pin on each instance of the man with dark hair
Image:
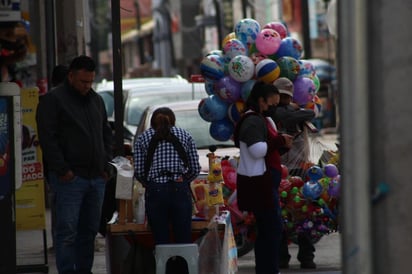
(76, 141)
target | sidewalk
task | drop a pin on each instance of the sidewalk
(328, 254)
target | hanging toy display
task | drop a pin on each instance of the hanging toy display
(254, 53)
(215, 181)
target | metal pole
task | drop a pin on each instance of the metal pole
(117, 79)
(355, 139)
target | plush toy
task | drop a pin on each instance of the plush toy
(215, 172)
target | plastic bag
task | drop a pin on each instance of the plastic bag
(229, 250)
(210, 251)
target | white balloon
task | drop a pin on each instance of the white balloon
(331, 17)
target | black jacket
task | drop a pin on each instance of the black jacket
(74, 133)
(290, 120)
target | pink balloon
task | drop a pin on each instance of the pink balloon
(268, 41)
(279, 27)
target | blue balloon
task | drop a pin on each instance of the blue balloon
(312, 190)
(210, 86)
(212, 108)
(314, 173)
(290, 47)
(221, 130)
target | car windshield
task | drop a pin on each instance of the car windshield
(198, 128)
(137, 105)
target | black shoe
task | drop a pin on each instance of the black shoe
(308, 265)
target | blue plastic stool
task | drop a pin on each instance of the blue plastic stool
(189, 252)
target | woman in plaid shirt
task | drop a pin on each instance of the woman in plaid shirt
(166, 172)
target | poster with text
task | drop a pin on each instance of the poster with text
(30, 199)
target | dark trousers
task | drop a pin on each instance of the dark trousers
(306, 252)
(269, 229)
(169, 205)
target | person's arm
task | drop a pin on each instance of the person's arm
(289, 119)
(193, 157)
(258, 150)
(47, 116)
(139, 158)
(299, 116)
(107, 133)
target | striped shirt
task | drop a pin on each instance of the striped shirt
(166, 164)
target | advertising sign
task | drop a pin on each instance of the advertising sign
(30, 199)
(9, 133)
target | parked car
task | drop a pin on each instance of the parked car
(106, 88)
(143, 92)
(137, 101)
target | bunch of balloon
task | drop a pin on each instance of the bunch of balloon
(310, 204)
(252, 53)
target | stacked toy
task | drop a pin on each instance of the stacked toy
(252, 53)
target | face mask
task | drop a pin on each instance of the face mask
(270, 112)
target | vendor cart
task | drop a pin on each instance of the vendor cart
(129, 246)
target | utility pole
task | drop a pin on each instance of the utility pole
(117, 79)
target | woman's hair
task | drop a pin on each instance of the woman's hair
(162, 120)
(260, 90)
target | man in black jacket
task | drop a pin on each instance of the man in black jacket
(291, 119)
(75, 138)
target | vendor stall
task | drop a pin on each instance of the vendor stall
(130, 243)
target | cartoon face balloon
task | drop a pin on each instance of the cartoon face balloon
(232, 48)
(241, 68)
(268, 41)
(228, 89)
(246, 30)
(290, 47)
(304, 90)
(278, 27)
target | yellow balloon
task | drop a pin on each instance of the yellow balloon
(231, 35)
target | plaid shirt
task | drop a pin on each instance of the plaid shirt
(166, 159)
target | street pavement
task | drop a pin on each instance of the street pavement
(327, 255)
(30, 245)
